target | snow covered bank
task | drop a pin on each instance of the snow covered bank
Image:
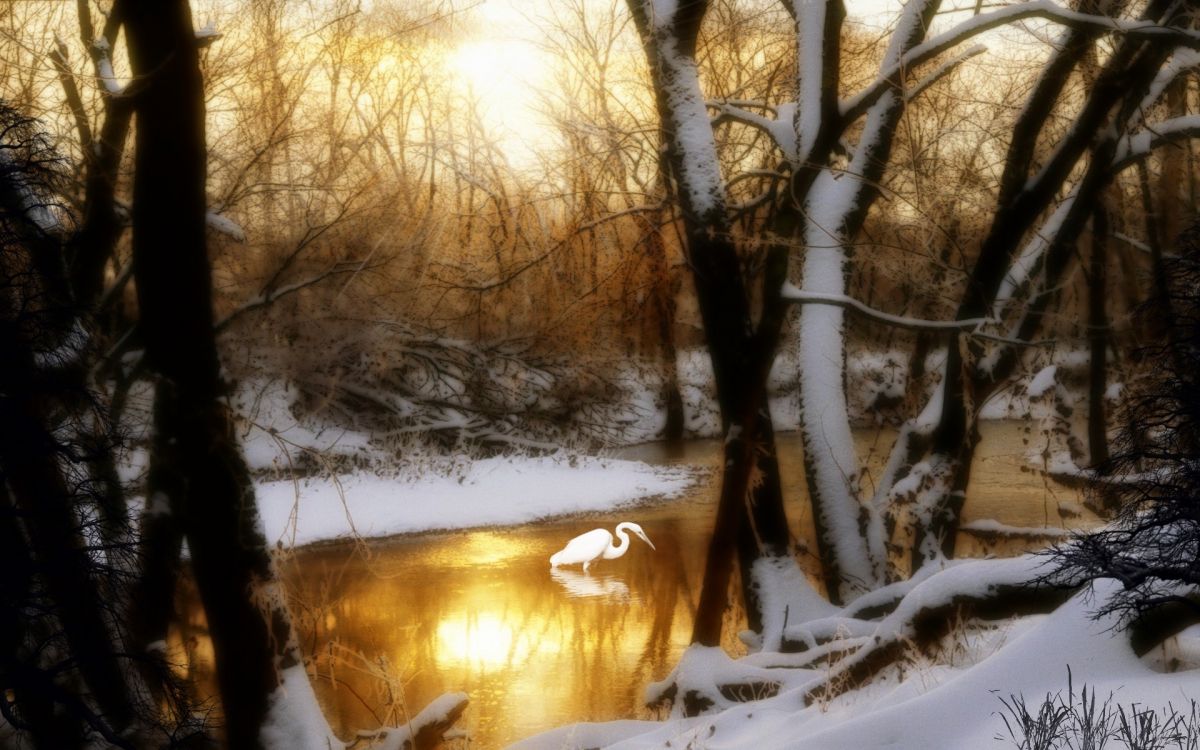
(487, 492)
(347, 484)
(936, 707)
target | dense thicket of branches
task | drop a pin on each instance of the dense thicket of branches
(1153, 546)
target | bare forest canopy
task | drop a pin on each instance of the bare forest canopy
(358, 173)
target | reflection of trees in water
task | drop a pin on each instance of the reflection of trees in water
(371, 620)
(534, 648)
(669, 591)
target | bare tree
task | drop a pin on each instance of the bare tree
(267, 699)
(833, 170)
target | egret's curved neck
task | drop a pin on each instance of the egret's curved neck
(616, 550)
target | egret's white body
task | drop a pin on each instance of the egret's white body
(597, 544)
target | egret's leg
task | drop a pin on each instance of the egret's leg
(586, 563)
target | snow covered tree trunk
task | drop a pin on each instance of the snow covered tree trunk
(830, 458)
(750, 516)
(850, 533)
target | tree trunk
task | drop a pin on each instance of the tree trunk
(250, 630)
(1128, 71)
(95, 244)
(664, 308)
(1098, 339)
(27, 685)
(152, 601)
(750, 518)
(29, 462)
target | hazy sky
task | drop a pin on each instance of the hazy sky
(504, 65)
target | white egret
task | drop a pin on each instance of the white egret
(597, 544)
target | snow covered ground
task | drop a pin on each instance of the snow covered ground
(483, 492)
(316, 482)
(935, 707)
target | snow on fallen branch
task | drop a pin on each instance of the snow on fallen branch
(990, 530)
(427, 730)
(708, 679)
(984, 589)
(786, 595)
(840, 650)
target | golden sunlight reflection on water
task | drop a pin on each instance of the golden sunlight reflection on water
(391, 625)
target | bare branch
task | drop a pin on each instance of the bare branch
(857, 105)
(797, 296)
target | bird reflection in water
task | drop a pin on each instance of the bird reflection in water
(586, 586)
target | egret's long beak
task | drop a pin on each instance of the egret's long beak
(646, 539)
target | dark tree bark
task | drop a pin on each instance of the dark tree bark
(750, 519)
(664, 310)
(1126, 73)
(31, 706)
(249, 627)
(37, 314)
(29, 463)
(95, 244)
(90, 249)
(1098, 338)
(1159, 322)
(151, 603)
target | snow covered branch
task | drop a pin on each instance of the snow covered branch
(818, 35)
(1029, 260)
(224, 225)
(987, 589)
(427, 730)
(1183, 61)
(207, 34)
(1139, 145)
(101, 50)
(857, 105)
(798, 296)
(781, 129)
